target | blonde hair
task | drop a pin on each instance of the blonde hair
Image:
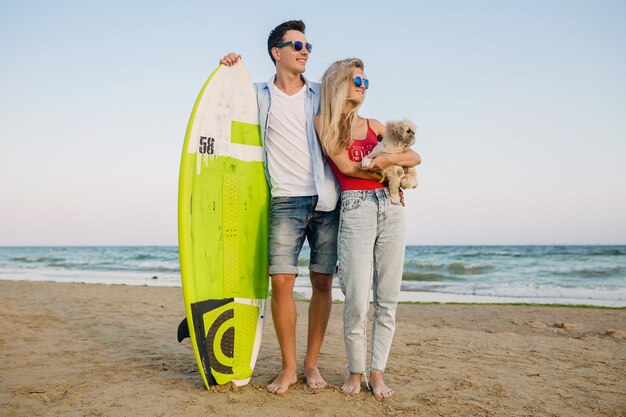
(336, 128)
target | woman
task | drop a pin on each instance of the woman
(371, 229)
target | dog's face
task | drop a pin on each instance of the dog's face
(401, 132)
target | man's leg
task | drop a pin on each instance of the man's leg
(288, 218)
(284, 315)
(322, 236)
(319, 312)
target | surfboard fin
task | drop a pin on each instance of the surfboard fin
(183, 330)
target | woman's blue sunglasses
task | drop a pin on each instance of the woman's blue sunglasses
(358, 81)
(297, 45)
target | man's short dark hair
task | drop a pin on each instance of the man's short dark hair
(277, 34)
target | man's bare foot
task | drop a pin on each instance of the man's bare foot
(282, 382)
(352, 384)
(313, 378)
(379, 389)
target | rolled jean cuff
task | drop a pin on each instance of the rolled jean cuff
(323, 269)
(357, 372)
(283, 269)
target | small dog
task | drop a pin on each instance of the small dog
(399, 135)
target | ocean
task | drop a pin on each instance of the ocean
(584, 275)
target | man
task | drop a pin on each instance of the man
(304, 199)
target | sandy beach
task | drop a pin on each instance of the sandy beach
(103, 350)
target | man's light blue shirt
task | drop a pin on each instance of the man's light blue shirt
(325, 182)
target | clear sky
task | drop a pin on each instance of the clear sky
(520, 107)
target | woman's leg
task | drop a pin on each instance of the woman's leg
(388, 268)
(355, 246)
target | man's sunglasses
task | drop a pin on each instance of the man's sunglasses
(297, 45)
(358, 81)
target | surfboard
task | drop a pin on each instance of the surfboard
(223, 209)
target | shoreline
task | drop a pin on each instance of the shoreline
(76, 349)
(304, 292)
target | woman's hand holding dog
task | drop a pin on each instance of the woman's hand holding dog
(382, 160)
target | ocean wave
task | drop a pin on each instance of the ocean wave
(36, 260)
(608, 252)
(426, 276)
(540, 292)
(87, 266)
(593, 273)
(447, 271)
(111, 266)
(159, 269)
(144, 257)
(417, 265)
(492, 253)
(517, 251)
(579, 251)
(459, 268)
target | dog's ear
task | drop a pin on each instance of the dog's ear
(380, 138)
(395, 131)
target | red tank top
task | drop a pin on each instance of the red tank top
(356, 152)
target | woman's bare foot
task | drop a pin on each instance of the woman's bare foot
(352, 384)
(313, 378)
(379, 389)
(282, 382)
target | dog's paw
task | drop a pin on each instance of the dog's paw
(395, 200)
(408, 183)
(366, 162)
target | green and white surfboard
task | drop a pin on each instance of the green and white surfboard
(223, 206)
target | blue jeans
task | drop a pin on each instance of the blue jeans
(371, 247)
(292, 219)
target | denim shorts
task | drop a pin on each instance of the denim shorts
(292, 219)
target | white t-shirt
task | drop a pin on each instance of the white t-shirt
(289, 159)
